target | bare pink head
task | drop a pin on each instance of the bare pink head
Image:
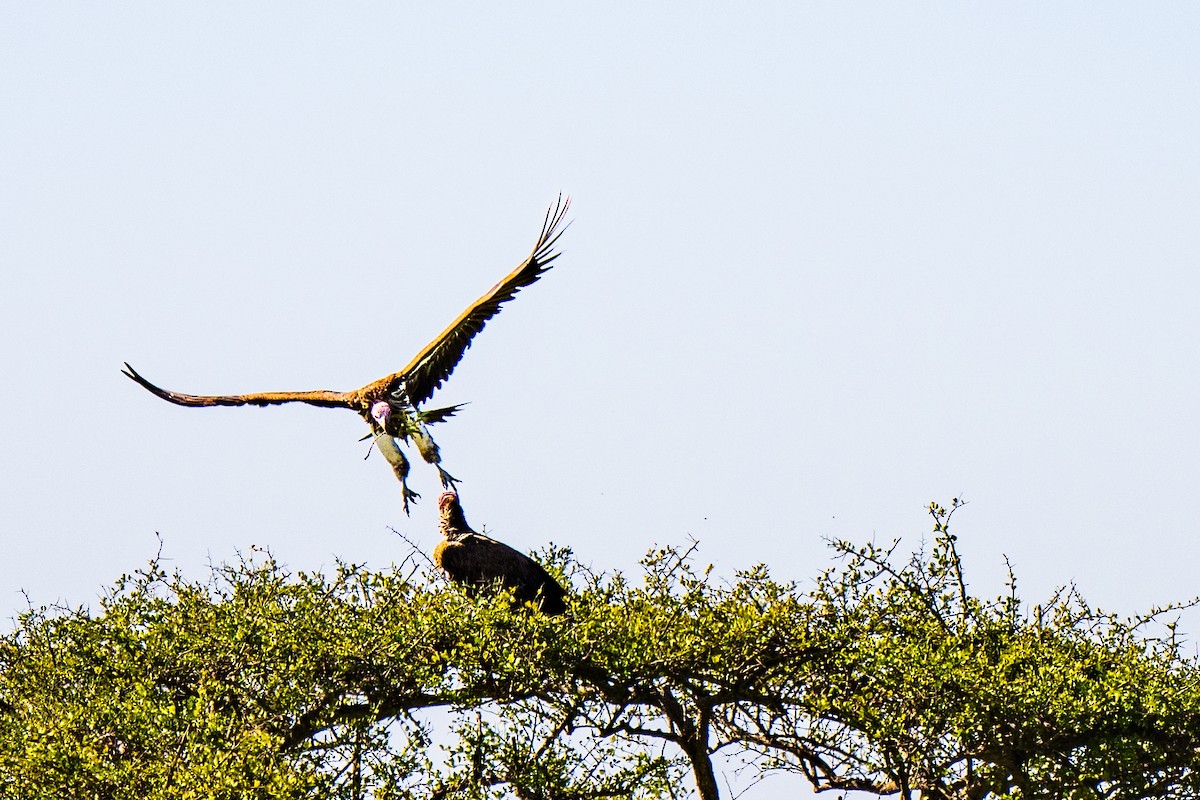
(447, 500)
(453, 521)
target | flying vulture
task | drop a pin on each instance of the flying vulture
(479, 561)
(391, 405)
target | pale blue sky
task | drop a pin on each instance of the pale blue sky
(829, 262)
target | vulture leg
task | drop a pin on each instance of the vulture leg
(429, 451)
(395, 456)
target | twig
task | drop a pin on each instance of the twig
(416, 549)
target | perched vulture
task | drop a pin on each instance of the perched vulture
(391, 405)
(479, 561)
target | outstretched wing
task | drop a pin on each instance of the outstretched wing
(322, 397)
(425, 373)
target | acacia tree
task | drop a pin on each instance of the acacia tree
(931, 689)
(887, 677)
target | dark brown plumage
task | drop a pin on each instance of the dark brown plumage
(479, 561)
(391, 405)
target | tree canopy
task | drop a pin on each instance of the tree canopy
(883, 675)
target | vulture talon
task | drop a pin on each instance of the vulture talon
(448, 480)
(408, 494)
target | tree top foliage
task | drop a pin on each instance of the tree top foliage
(885, 675)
